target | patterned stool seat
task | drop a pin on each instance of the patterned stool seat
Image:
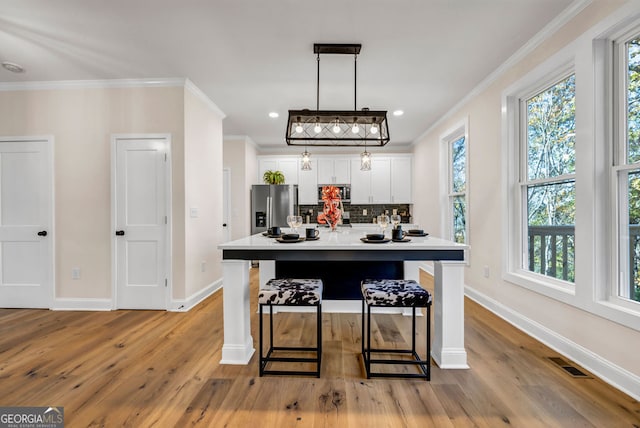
(395, 292)
(291, 292)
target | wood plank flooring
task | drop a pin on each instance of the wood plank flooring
(161, 369)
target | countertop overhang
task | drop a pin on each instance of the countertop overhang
(344, 244)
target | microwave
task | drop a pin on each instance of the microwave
(345, 191)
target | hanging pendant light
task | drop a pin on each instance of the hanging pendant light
(306, 160)
(331, 127)
(365, 160)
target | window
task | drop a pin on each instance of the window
(571, 174)
(455, 216)
(627, 167)
(457, 189)
(539, 136)
(548, 180)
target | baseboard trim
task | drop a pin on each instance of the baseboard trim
(185, 305)
(87, 304)
(616, 376)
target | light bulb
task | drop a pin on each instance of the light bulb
(374, 129)
(355, 129)
(317, 129)
(336, 128)
(299, 128)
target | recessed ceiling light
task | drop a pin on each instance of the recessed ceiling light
(274, 115)
(398, 113)
(12, 67)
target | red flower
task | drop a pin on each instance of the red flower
(331, 211)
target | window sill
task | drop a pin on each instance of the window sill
(555, 289)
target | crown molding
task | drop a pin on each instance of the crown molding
(191, 87)
(113, 83)
(551, 28)
(91, 84)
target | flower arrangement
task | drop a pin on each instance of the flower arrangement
(332, 210)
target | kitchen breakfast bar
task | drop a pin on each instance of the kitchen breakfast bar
(343, 251)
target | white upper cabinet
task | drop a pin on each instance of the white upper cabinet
(371, 187)
(287, 165)
(401, 180)
(389, 181)
(308, 185)
(333, 171)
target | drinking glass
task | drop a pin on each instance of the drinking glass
(383, 221)
(290, 220)
(395, 219)
(297, 222)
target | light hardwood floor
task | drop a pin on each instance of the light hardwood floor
(161, 369)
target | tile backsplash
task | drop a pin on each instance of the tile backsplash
(356, 212)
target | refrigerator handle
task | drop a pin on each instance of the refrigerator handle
(269, 212)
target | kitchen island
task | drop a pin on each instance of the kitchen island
(345, 246)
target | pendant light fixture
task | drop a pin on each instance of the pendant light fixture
(365, 160)
(337, 128)
(306, 160)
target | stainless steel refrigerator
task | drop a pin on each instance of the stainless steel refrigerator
(271, 204)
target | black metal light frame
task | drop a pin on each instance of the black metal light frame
(332, 128)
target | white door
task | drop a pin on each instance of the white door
(26, 203)
(141, 195)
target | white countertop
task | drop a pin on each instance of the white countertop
(343, 238)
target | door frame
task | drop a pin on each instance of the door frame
(168, 201)
(51, 248)
(226, 203)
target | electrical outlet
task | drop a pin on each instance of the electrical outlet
(203, 266)
(75, 273)
(364, 211)
(486, 271)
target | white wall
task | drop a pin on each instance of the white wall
(584, 335)
(240, 157)
(82, 120)
(203, 192)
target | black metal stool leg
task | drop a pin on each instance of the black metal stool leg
(413, 330)
(368, 342)
(319, 336)
(429, 342)
(261, 359)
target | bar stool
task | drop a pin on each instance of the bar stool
(291, 292)
(401, 293)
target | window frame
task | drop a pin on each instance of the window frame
(614, 50)
(515, 257)
(458, 131)
(526, 183)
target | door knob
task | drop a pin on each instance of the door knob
(224, 224)
(43, 233)
(119, 232)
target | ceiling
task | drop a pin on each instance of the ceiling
(253, 57)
